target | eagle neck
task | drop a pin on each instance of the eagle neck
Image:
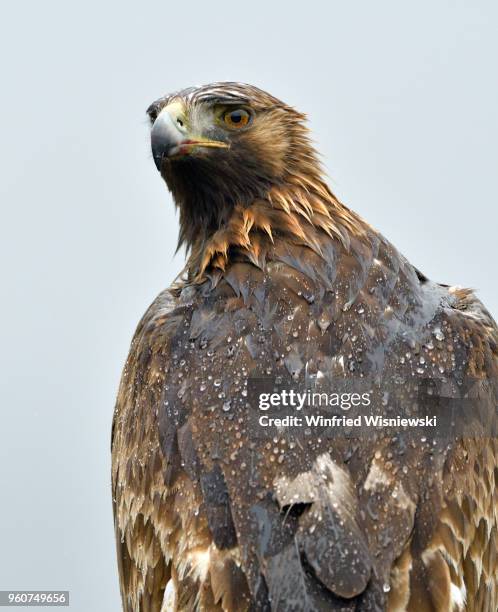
(301, 211)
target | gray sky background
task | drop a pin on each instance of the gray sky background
(402, 99)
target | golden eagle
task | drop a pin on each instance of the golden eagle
(283, 283)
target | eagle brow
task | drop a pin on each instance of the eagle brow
(223, 100)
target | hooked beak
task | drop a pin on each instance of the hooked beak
(169, 138)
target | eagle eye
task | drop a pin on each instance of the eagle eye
(237, 118)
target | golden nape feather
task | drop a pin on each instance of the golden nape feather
(285, 290)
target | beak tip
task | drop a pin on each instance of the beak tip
(164, 137)
(158, 160)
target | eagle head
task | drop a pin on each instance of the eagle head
(222, 145)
